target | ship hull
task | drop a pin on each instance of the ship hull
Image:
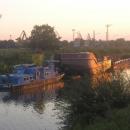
(84, 62)
(36, 83)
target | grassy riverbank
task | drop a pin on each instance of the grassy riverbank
(120, 120)
(100, 105)
(10, 57)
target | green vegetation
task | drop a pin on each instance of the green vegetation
(38, 58)
(87, 104)
(13, 56)
(10, 57)
(44, 37)
(115, 49)
(119, 121)
(104, 105)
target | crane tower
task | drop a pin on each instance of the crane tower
(107, 32)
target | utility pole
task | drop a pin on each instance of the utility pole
(73, 30)
(93, 35)
(89, 37)
(107, 32)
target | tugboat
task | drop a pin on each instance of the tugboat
(29, 76)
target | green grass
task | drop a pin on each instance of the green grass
(119, 120)
(10, 57)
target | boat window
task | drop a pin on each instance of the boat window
(37, 73)
(26, 78)
(46, 73)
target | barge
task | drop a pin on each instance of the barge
(30, 76)
(84, 62)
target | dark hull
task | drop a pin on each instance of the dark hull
(36, 83)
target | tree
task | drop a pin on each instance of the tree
(44, 37)
(38, 59)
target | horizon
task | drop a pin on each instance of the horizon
(82, 15)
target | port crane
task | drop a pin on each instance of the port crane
(22, 37)
(89, 37)
(107, 31)
(79, 36)
(57, 34)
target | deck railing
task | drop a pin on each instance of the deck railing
(121, 61)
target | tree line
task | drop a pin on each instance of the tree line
(44, 37)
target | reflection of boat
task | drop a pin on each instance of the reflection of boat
(36, 97)
(30, 75)
(100, 79)
(84, 62)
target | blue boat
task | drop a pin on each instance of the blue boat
(30, 75)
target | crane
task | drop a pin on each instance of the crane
(73, 30)
(107, 32)
(89, 37)
(94, 35)
(22, 37)
(57, 34)
(79, 36)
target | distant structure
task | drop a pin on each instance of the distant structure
(77, 40)
(57, 34)
(107, 32)
(22, 37)
(73, 30)
(93, 36)
(10, 37)
(89, 37)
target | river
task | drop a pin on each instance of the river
(29, 109)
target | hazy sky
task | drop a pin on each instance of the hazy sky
(65, 15)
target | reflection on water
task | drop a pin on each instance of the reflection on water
(32, 109)
(35, 109)
(98, 79)
(121, 74)
(127, 72)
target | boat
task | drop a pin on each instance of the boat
(30, 76)
(84, 62)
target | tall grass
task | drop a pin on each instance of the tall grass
(10, 57)
(88, 103)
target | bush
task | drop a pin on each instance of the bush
(87, 103)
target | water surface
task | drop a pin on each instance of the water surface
(29, 109)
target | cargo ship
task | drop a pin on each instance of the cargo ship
(84, 62)
(30, 76)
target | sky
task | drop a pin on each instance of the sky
(82, 15)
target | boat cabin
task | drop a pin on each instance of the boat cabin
(26, 73)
